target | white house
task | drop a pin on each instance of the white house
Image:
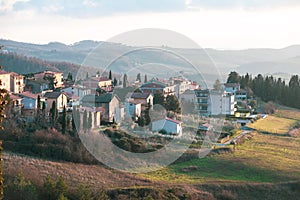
(232, 87)
(212, 102)
(78, 90)
(221, 103)
(171, 126)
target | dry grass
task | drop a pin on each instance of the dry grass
(265, 158)
(94, 175)
(274, 124)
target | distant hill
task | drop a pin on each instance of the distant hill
(23, 65)
(253, 61)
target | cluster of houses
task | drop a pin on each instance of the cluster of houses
(106, 106)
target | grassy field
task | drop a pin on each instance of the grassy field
(265, 166)
(274, 124)
(264, 158)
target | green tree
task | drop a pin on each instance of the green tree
(217, 85)
(138, 77)
(125, 81)
(145, 79)
(19, 188)
(115, 82)
(84, 192)
(90, 121)
(233, 77)
(62, 197)
(110, 75)
(141, 121)
(53, 113)
(51, 82)
(158, 98)
(101, 195)
(64, 121)
(172, 104)
(85, 122)
(48, 188)
(3, 102)
(1, 173)
(61, 187)
(70, 77)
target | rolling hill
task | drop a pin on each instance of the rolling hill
(124, 58)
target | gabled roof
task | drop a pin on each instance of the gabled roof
(154, 84)
(29, 95)
(173, 120)
(52, 95)
(3, 72)
(103, 98)
(137, 95)
(14, 97)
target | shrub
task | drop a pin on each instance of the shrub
(163, 131)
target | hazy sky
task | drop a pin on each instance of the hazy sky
(222, 24)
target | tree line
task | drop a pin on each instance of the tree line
(269, 88)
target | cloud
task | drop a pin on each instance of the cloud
(92, 8)
(96, 8)
(246, 4)
(8, 5)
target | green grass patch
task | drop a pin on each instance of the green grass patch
(266, 158)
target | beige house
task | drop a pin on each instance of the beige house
(143, 98)
(11, 81)
(60, 99)
(108, 103)
(96, 116)
(58, 77)
(16, 83)
(4, 80)
(98, 82)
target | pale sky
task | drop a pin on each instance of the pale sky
(221, 24)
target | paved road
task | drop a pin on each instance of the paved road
(238, 137)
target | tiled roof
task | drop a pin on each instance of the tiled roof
(3, 72)
(14, 97)
(29, 95)
(173, 120)
(140, 95)
(154, 85)
(52, 95)
(104, 98)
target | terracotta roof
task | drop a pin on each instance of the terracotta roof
(3, 72)
(14, 97)
(173, 120)
(29, 95)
